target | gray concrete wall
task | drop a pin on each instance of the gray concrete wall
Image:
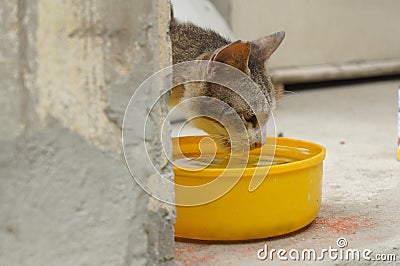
(15, 70)
(68, 69)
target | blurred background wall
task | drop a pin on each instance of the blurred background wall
(324, 39)
(67, 72)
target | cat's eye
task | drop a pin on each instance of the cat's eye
(247, 117)
(251, 118)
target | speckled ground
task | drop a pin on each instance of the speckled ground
(361, 185)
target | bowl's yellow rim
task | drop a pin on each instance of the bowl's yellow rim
(274, 169)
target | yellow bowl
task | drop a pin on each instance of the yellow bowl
(288, 199)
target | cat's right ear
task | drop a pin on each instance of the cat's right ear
(269, 44)
(235, 54)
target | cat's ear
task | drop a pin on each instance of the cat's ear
(235, 54)
(268, 44)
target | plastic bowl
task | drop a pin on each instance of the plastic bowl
(288, 199)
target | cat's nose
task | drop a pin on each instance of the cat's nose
(256, 145)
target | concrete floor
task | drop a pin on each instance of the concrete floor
(361, 184)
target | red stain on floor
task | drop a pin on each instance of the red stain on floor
(190, 254)
(344, 224)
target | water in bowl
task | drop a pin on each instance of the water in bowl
(191, 161)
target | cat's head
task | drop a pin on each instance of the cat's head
(251, 59)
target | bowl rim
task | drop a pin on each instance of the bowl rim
(309, 162)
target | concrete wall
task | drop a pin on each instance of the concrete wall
(67, 71)
(15, 69)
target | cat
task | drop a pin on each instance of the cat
(190, 42)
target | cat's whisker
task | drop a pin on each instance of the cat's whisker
(281, 96)
(220, 139)
(286, 92)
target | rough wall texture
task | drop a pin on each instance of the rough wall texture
(12, 91)
(68, 69)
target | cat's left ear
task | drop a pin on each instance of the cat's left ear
(235, 54)
(268, 44)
